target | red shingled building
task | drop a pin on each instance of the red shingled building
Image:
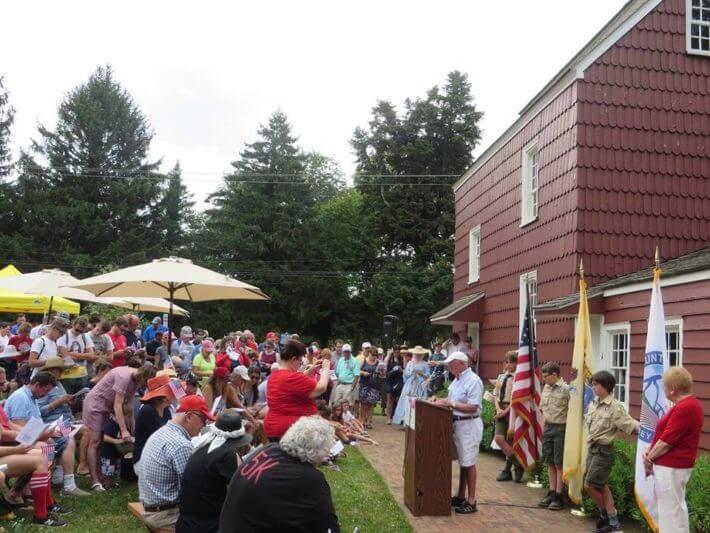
(609, 160)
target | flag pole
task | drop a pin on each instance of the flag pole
(535, 484)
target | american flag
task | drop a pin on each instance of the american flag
(168, 365)
(176, 388)
(64, 427)
(526, 419)
(48, 451)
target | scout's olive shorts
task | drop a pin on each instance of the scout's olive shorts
(600, 459)
(553, 443)
(501, 424)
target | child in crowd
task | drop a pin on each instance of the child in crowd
(554, 404)
(109, 450)
(502, 394)
(343, 430)
(606, 416)
(350, 420)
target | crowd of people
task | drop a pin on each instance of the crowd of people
(201, 421)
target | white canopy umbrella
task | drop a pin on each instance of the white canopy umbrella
(172, 278)
(145, 305)
(50, 282)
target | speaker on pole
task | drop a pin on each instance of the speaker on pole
(389, 329)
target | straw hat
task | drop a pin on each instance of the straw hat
(54, 362)
(418, 350)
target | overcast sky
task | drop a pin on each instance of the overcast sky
(207, 74)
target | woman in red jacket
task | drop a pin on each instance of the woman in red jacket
(672, 453)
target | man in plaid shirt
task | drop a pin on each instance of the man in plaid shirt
(164, 459)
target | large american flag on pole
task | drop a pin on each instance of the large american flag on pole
(526, 420)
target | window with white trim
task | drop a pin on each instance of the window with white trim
(530, 184)
(618, 342)
(474, 254)
(674, 342)
(697, 26)
(528, 281)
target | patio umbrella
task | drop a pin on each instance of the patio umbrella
(145, 305)
(49, 282)
(172, 278)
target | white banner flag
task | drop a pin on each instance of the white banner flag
(653, 401)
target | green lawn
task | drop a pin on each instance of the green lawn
(360, 495)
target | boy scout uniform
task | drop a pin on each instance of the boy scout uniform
(504, 395)
(554, 403)
(604, 419)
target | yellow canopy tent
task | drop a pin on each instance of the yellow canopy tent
(17, 302)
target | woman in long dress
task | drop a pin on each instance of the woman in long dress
(416, 374)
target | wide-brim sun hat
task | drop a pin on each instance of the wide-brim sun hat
(418, 350)
(159, 386)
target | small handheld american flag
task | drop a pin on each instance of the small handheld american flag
(48, 451)
(169, 365)
(64, 427)
(176, 388)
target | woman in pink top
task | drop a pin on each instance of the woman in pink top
(108, 396)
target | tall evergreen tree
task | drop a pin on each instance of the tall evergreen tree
(405, 168)
(257, 227)
(87, 192)
(7, 117)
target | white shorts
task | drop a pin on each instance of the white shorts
(467, 440)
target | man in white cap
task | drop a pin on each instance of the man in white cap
(465, 398)
(348, 373)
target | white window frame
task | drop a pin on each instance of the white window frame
(474, 254)
(530, 184)
(609, 331)
(675, 325)
(689, 21)
(531, 277)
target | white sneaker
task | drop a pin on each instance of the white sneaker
(98, 487)
(76, 491)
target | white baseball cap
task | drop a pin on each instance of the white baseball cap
(366, 345)
(242, 372)
(347, 348)
(456, 356)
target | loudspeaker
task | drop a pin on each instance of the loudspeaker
(389, 327)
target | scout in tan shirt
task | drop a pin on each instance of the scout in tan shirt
(605, 418)
(502, 394)
(554, 402)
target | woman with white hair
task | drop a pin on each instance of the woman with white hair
(279, 488)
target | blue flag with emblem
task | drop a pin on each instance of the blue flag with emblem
(653, 401)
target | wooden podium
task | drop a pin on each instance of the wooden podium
(427, 460)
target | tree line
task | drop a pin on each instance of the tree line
(84, 196)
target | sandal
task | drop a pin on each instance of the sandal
(466, 508)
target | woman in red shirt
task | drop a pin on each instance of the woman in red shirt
(22, 342)
(672, 453)
(291, 394)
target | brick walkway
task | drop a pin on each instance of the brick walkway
(503, 507)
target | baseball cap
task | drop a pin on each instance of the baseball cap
(366, 345)
(156, 320)
(221, 372)
(272, 336)
(242, 372)
(347, 348)
(186, 331)
(193, 402)
(456, 356)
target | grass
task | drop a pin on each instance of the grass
(360, 495)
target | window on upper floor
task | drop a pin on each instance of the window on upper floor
(474, 254)
(530, 183)
(697, 27)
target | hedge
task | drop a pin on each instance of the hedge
(621, 480)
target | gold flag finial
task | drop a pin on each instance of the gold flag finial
(581, 268)
(658, 258)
